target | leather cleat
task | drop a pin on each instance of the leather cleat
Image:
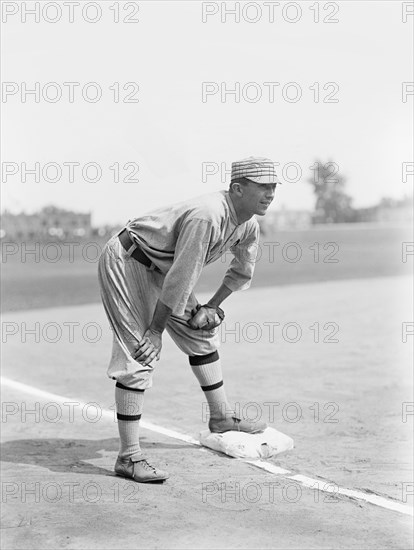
(139, 469)
(234, 424)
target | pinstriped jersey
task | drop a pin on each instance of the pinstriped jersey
(181, 239)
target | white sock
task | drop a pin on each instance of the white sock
(207, 369)
(129, 405)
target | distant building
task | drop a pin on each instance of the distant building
(285, 220)
(49, 224)
(106, 231)
(388, 211)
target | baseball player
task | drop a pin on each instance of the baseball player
(147, 273)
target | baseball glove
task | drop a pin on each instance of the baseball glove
(206, 317)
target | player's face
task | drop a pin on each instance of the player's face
(258, 196)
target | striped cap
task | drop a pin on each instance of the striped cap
(257, 169)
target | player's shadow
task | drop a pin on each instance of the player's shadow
(68, 455)
(59, 455)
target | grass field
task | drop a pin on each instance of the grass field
(67, 274)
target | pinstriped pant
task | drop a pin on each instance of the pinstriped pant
(129, 292)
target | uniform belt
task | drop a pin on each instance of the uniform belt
(138, 254)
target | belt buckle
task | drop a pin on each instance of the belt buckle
(131, 250)
(133, 246)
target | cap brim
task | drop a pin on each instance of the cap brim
(264, 179)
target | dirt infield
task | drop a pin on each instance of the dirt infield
(345, 403)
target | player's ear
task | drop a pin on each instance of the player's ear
(237, 188)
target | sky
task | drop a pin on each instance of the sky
(161, 146)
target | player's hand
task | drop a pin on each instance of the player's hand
(149, 348)
(206, 317)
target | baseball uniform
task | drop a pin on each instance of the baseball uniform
(178, 240)
(158, 257)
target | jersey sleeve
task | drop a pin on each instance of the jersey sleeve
(240, 272)
(189, 258)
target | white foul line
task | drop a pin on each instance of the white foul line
(318, 484)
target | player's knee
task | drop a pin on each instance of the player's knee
(135, 381)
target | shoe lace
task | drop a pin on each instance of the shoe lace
(148, 466)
